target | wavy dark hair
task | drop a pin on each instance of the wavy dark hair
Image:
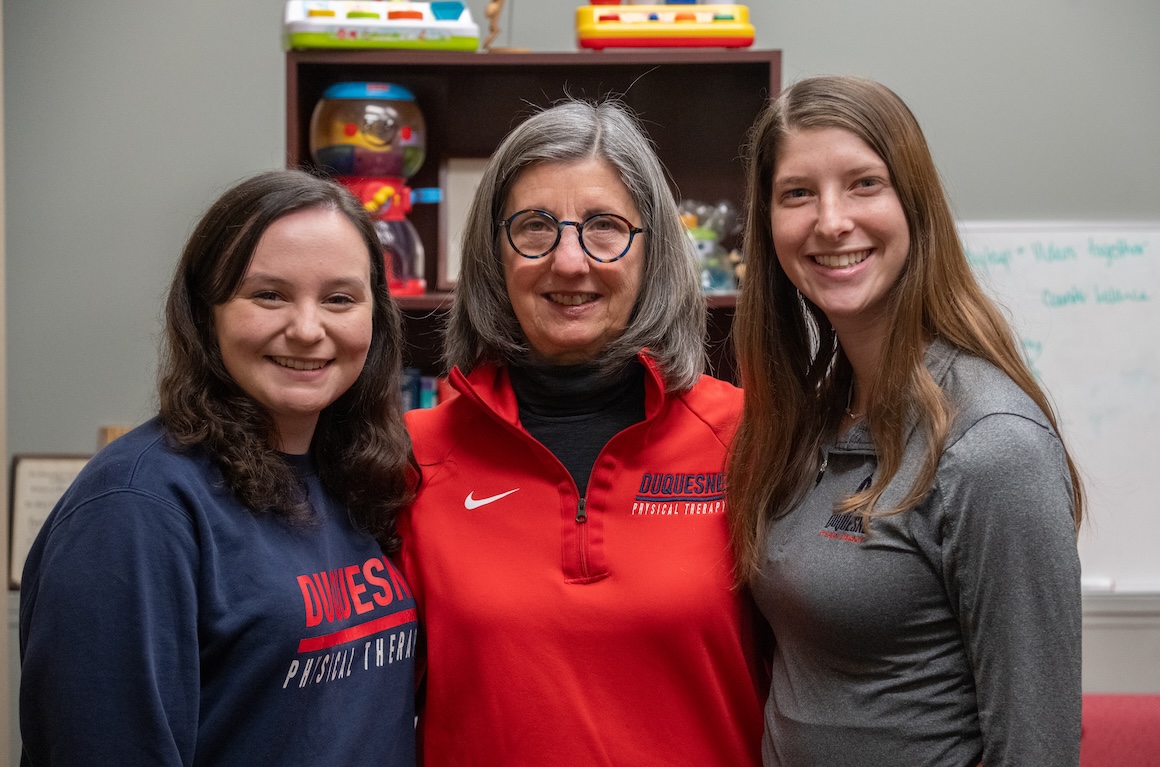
(360, 445)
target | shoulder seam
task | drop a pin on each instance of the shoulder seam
(160, 501)
(998, 413)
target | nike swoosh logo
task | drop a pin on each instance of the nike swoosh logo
(472, 503)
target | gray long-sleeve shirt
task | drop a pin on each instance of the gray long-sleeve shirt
(948, 634)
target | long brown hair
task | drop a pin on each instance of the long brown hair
(795, 375)
(360, 445)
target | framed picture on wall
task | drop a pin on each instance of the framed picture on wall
(459, 178)
(36, 484)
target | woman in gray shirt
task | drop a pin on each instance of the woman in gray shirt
(902, 503)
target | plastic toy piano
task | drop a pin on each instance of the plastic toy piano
(663, 26)
(444, 25)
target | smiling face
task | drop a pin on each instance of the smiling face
(568, 305)
(295, 335)
(838, 227)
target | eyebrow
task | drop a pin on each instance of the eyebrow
(875, 168)
(270, 279)
(860, 170)
(789, 180)
(589, 212)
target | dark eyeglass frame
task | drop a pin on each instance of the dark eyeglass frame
(633, 231)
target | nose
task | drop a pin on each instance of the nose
(833, 217)
(305, 324)
(568, 258)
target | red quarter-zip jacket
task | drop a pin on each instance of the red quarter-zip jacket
(563, 630)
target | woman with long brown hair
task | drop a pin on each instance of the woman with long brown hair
(901, 501)
(213, 589)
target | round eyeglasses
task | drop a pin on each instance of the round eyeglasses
(605, 237)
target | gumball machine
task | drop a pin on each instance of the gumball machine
(372, 137)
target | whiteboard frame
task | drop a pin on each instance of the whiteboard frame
(29, 503)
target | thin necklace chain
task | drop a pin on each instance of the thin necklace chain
(849, 401)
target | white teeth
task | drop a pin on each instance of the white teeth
(572, 299)
(842, 259)
(290, 362)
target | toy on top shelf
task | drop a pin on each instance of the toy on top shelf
(372, 136)
(663, 26)
(493, 11)
(444, 25)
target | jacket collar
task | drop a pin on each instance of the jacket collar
(489, 386)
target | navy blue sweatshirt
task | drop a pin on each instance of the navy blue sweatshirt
(163, 623)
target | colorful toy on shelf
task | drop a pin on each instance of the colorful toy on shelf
(711, 227)
(372, 136)
(444, 25)
(677, 25)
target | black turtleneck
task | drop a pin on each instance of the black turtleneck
(573, 410)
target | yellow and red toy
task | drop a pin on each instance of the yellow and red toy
(372, 136)
(663, 26)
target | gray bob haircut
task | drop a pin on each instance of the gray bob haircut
(669, 316)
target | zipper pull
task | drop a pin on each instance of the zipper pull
(822, 468)
(581, 514)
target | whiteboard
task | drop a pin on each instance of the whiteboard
(1084, 299)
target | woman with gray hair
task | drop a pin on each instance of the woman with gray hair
(568, 547)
